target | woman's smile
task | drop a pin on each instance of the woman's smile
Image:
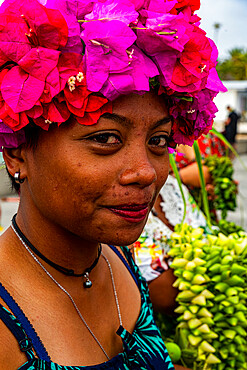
(131, 212)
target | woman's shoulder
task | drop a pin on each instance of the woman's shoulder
(11, 357)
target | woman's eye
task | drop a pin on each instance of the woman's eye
(159, 141)
(106, 138)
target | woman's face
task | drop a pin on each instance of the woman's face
(100, 182)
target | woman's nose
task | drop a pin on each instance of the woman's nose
(138, 170)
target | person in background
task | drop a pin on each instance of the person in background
(231, 125)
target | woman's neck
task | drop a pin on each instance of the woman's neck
(57, 243)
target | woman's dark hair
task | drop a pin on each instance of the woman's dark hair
(32, 133)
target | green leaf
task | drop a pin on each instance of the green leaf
(226, 142)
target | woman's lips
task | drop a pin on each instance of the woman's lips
(131, 213)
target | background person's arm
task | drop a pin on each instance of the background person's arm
(179, 367)
(190, 175)
(162, 293)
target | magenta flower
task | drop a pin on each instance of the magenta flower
(76, 8)
(192, 68)
(138, 4)
(169, 32)
(122, 10)
(106, 45)
(161, 6)
(134, 79)
(214, 83)
(72, 11)
(9, 138)
(30, 39)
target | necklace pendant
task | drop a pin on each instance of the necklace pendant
(87, 283)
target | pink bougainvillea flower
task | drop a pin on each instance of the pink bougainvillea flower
(36, 34)
(138, 4)
(13, 42)
(184, 6)
(72, 11)
(69, 64)
(135, 79)
(191, 70)
(9, 138)
(169, 32)
(201, 111)
(193, 4)
(39, 62)
(24, 93)
(14, 120)
(106, 45)
(121, 10)
(45, 27)
(160, 6)
(214, 83)
(91, 118)
(183, 131)
(72, 7)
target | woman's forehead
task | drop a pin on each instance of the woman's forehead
(136, 103)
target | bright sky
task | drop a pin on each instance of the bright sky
(232, 15)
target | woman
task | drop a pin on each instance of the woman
(86, 121)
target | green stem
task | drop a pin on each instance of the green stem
(176, 173)
(203, 184)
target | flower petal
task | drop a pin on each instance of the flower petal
(24, 93)
(123, 11)
(38, 62)
(13, 42)
(9, 138)
(106, 44)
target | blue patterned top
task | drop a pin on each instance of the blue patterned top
(143, 349)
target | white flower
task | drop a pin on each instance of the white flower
(48, 121)
(71, 87)
(71, 80)
(80, 77)
(71, 83)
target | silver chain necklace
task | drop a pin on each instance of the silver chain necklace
(70, 297)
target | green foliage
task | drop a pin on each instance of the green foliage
(227, 228)
(225, 188)
(235, 66)
(222, 194)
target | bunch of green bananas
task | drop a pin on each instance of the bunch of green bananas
(212, 279)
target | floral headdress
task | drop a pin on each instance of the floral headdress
(73, 57)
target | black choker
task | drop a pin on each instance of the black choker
(69, 272)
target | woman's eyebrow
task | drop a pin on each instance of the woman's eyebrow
(162, 121)
(127, 122)
(118, 118)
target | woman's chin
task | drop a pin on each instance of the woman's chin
(123, 240)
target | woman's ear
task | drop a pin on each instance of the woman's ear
(15, 160)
